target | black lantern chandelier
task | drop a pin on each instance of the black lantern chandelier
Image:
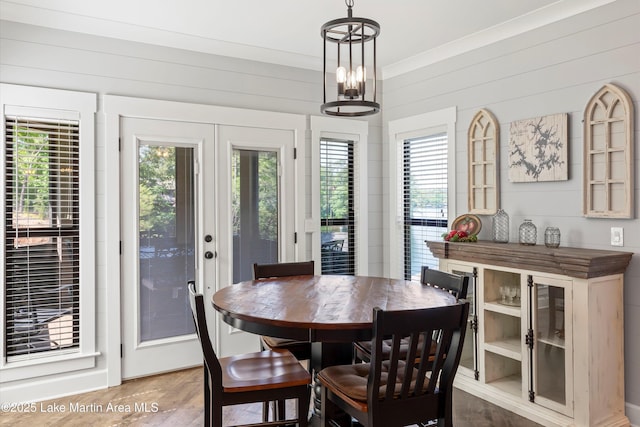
(351, 36)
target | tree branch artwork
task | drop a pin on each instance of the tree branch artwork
(538, 149)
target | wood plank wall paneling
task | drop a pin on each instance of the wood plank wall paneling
(550, 70)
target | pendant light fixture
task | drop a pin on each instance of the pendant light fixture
(355, 40)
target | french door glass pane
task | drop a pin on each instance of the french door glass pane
(167, 240)
(254, 206)
(550, 344)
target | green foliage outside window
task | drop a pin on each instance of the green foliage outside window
(31, 176)
(157, 192)
(267, 196)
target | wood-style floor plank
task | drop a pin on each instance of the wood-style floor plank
(175, 400)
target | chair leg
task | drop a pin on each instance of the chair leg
(303, 408)
(207, 398)
(216, 417)
(331, 414)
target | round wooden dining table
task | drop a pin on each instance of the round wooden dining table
(331, 311)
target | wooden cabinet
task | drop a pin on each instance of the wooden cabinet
(547, 331)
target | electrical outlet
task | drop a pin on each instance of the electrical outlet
(617, 236)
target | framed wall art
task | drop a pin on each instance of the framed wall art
(483, 143)
(538, 149)
(608, 154)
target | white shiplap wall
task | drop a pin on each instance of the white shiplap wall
(37, 56)
(555, 69)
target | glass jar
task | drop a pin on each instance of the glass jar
(528, 233)
(500, 222)
(552, 237)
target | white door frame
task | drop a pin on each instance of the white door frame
(116, 107)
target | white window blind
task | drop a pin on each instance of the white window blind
(42, 254)
(424, 189)
(337, 217)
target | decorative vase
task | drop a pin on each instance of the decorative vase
(528, 233)
(552, 237)
(500, 222)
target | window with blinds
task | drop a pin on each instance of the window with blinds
(42, 256)
(337, 219)
(424, 190)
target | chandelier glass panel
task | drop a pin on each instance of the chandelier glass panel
(355, 48)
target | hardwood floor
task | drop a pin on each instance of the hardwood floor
(175, 400)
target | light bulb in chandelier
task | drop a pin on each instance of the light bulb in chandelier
(351, 84)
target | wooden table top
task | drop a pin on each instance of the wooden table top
(320, 307)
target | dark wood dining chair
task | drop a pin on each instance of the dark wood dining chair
(455, 284)
(398, 391)
(247, 378)
(300, 349)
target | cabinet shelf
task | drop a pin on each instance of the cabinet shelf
(509, 310)
(511, 384)
(510, 348)
(503, 372)
(552, 340)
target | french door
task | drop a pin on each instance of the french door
(256, 211)
(161, 244)
(199, 202)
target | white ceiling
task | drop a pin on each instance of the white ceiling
(413, 33)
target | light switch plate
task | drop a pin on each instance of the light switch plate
(617, 236)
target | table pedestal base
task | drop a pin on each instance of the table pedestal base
(325, 354)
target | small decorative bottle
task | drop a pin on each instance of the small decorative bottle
(552, 237)
(528, 233)
(500, 222)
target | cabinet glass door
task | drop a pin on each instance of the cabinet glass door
(552, 344)
(469, 358)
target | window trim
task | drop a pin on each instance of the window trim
(399, 131)
(60, 104)
(356, 131)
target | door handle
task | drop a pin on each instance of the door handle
(209, 255)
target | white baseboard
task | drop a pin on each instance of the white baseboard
(633, 413)
(36, 390)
